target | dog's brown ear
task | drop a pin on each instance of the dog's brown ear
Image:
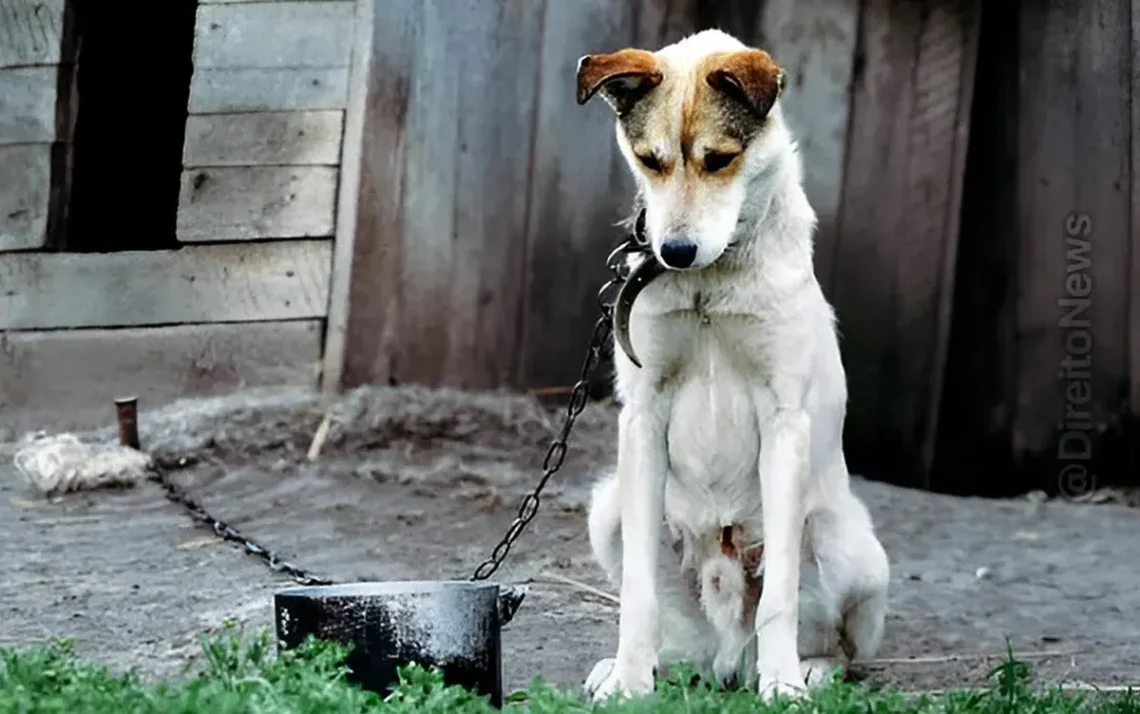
(749, 76)
(623, 77)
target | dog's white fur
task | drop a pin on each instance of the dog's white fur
(736, 419)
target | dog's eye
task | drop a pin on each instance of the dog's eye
(650, 162)
(715, 161)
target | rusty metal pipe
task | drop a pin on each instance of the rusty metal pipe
(127, 417)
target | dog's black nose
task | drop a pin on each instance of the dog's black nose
(678, 253)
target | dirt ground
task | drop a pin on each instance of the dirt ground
(419, 484)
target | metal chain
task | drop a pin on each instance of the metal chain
(178, 495)
(579, 395)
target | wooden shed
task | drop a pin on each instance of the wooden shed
(344, 192)
(171, 234)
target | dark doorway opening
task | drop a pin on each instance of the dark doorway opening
(132, 86)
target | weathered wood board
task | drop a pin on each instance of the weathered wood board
(487, 197)
(443, 203)
(302, 63)
(68, 378)
(267, 90)
(579, 185)
(898, 225)
(350, 173)
(1074, 233)
(236, 282)
(274, 35)
(243, 203)
(263, 139)
(814, 41)
(25, 195)
(27, 104)
(31, 32)
(1134, 281)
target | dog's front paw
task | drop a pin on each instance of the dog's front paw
(785, 682)
(626, 677)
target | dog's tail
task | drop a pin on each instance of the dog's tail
(605, 527)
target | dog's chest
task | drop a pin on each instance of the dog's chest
(712, 366)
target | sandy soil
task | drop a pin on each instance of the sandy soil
(418, 484)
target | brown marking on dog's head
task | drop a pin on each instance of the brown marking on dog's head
(623, 77)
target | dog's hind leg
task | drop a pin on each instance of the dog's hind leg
(853, 578)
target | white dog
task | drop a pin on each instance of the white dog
(731, 429)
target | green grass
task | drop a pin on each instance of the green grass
(245, 675)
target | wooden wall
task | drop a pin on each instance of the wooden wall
(435, 208)
(242, 301)
(1044, 368)
(816, 41)
(35, 119)
(487, 197)
(894, 256)
(880, 97)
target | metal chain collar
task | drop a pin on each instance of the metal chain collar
(619, 268)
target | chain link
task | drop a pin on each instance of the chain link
(176, 494)
(579, 397)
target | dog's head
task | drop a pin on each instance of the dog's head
(697, 121)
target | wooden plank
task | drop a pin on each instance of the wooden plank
(274, 35)
(263, 139)
(657, 24)
(939, 135)
(1046, 154)
(1074, 211)
(348, 205)
(237, 282)
(899, 224)
(975, 402)
(579, 187)
(1134, 282)
(875, 178)
(25, 195)
(31, 32)
(67, 379)
(373, 326)
(1103, 111)
(244, 203)
(27, 104)
(266, 90)
(440, 229)
(814, 40)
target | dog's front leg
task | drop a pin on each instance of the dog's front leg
(642, 464)
(785, 453)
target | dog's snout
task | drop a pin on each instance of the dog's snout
(678, 253)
